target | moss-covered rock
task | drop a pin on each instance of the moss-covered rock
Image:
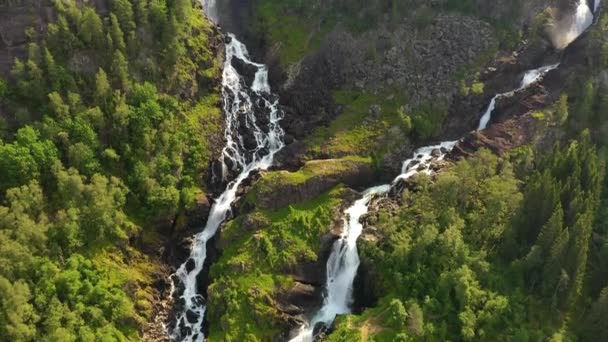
(271, 269)
(278, 189)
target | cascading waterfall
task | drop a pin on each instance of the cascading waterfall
(530, 78)
(567, 30)
(239, 100)
(342, 266)
(210, 9)
(344, 260)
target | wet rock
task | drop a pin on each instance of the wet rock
(247, 71)
(191, 316)
(249, 142)
(190, 265)
(375, 111)
(320, 330)
(399, 186)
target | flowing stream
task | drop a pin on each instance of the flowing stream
(530, 77)
(568, 29)
(343, 261)
(241, 103)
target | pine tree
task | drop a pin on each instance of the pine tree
(117, 35)
(124, 13)
(551, 231)
(120, 70)
(103, 90)
(90, 28)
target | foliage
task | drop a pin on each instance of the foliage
(369, 125)
(113, 119)
(260, 250)
(484, 257)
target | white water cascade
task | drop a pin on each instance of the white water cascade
(567, 30)
(530, 77)
(210, 9)
(344, 259)
(240, 100)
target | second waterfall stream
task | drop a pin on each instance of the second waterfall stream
(343, 261)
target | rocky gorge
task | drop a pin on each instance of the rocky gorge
(354, 90)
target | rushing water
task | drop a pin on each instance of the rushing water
(568, 29)
(239, 100)
(344, 260)
(210, 9)
(530, 77)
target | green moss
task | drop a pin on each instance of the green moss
(477, 88)
(291, 25)
(356, 131)
(539, 116)
(255, 267)
(276, 182)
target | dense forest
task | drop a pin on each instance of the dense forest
(495, 249)
(111, 121)
(110, 127)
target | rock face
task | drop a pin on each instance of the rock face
(19, 16)
(15, 18)
(420, 59)
(513, 122)
(280, 188)
(421, 63)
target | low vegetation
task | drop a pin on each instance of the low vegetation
(262, 248)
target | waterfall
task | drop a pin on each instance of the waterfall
(240, 103)
(210, 9)
(530, 77)
(342, 266)
(344, 259)
(568, 29)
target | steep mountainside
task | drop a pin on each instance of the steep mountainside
(158, 182)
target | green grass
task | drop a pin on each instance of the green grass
(255, 266)
(292, 26)
(354, 131)
(276, 182)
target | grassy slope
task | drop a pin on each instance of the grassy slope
(256, 263)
